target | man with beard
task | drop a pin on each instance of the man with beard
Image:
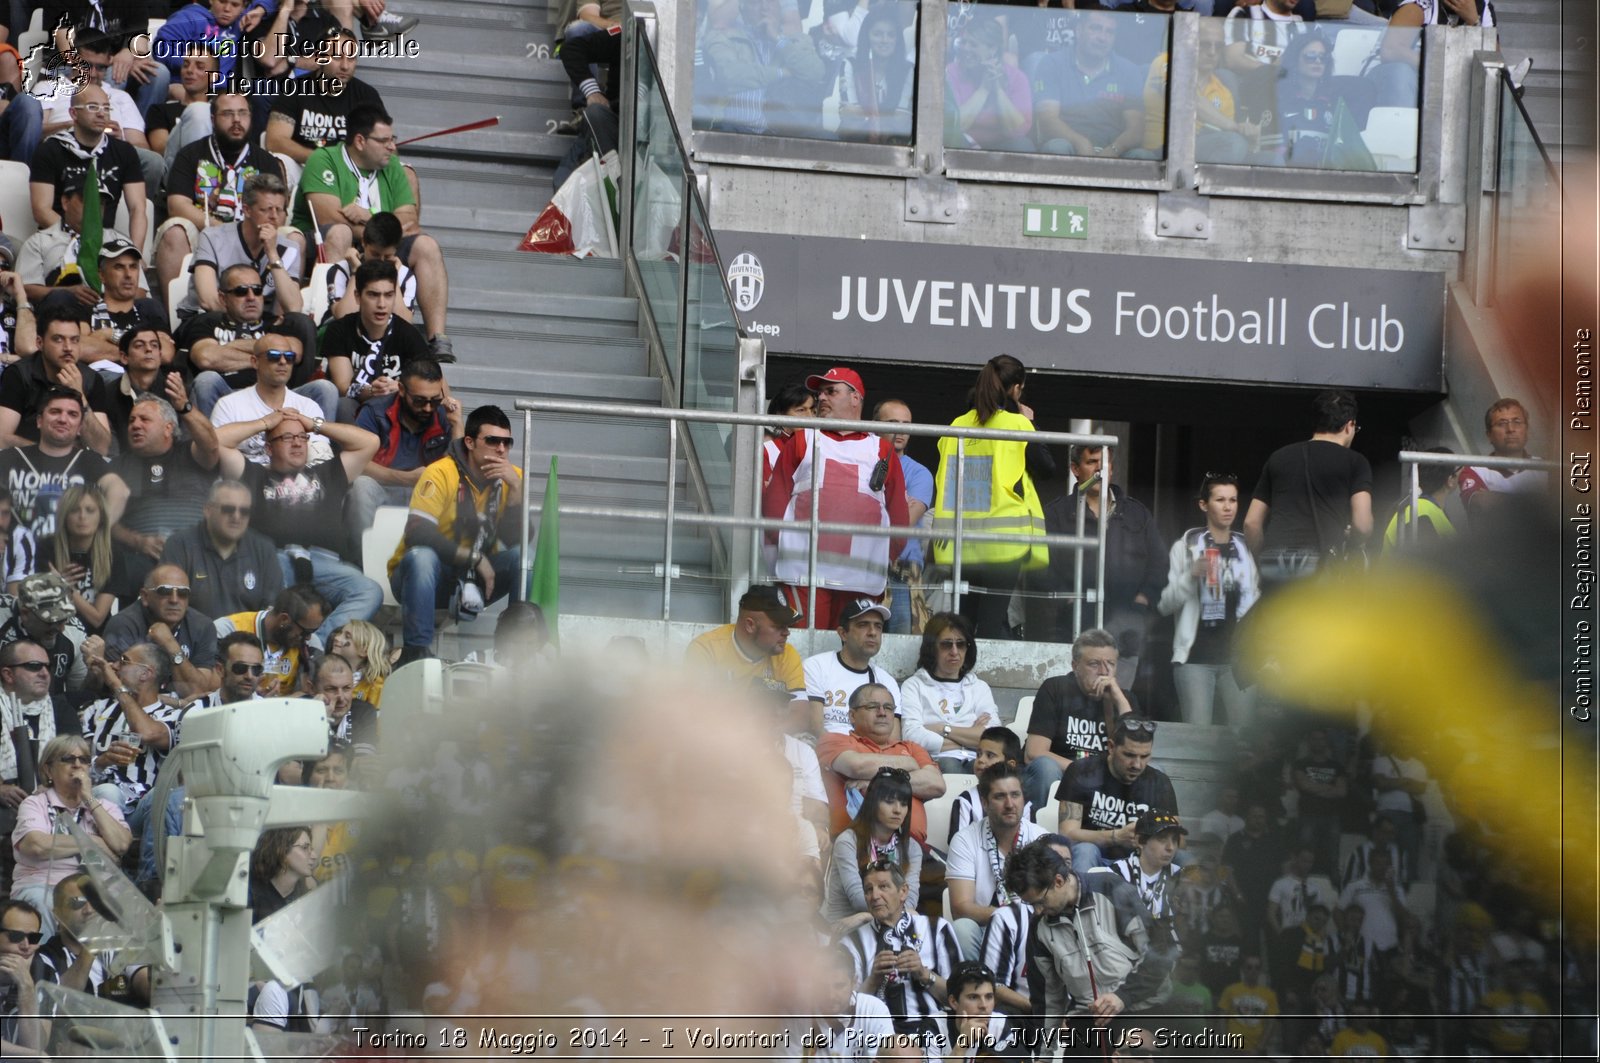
(206, 186)
(976, 871)
(1103, 797)
(54, 370)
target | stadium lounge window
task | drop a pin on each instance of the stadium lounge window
(1041, 92)
(832, 86)
(1307, 96)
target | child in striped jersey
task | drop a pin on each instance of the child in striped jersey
(1148, 868)
(996, 745)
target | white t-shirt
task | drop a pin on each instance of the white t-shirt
(969, 857)
(124, 112)
(1292, 898)
(866, 1029)
(1387, 767)
(928, 705)
(246, 405)
(831, 683)
(1221, 824)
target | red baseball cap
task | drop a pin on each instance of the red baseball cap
(837, 375)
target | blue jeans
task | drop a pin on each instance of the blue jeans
(1040, 779)
(1086, 856)
(423, 582)
(21, 128)
(349, 591)
(209, 387)
(139, 824)
(899, 608)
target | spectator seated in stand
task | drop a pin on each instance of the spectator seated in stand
(415, 425)
(1102, 797)
(366, 648)
(276, 358)
(877, 82)
(301, 122)
(38, 473)
(21, 116)
(184, 117)
(380, 242)
(1087, 97)
(54, 372)
(123, 305)
(224, 347)
(465, 504)
(990, 105)
(343, 186)
(300, 507)
(235, 567)
(850, 761)
(126, 120)
(212, 186)
(162, 616)
(131, 728)
(218, 29)
(19, 336)
(367, 350)
(997, 745)
(48, 260)
(80, 551)
(879, 830)
(945, 706)
(282, 629)
(350, 719)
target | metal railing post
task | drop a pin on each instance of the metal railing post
(1416, 488)
(1100, 556)
(956, 503)
(685, 257)
(524, 562)
(672, 509)
(812, 545)
(1077, 566)
(628, 115)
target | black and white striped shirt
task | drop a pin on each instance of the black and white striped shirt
(933, 941)
(1465, 984)
(968, 806)
(1156, 891)
(1005, 945)
(1355, 867)
(104, 723)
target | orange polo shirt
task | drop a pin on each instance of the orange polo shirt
(830, 745)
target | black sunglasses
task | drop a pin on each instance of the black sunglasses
(1126, 726)
(425, 400)
(17, 937)
(234, 511)
(32, 666)
(167, 590)
(495, 441)
(247, 289)
(240, 668)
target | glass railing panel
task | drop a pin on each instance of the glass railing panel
(1309, 95)
(657, 220)
(1022, 79)
(1527, 224)
(710, 357)
(761, 68)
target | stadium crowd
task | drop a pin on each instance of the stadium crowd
(184, 510)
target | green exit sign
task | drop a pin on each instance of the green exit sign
(1062, 222)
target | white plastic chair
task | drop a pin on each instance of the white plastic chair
(938, 811)
(16, 209)
(314, 296)
(178, 290)
(1352, 48)
(1049, 817)
(1024, 715)
(377, 546)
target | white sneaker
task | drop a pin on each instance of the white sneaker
(467, 602)
(388, 24)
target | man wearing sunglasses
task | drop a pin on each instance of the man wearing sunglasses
(21, 1032)
(42, 611)
(282, 630)
(300, 507)
(241, 418)
(415, 426)
(1102, 797)
(463, 508)
(67, 961)
(186, 637)
(235, 568)
(225, 346)
(134, 726)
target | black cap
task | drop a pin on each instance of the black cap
(861, 607)
(1154, 822)
(769, 600)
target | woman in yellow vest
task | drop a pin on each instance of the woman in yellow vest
(998, 496)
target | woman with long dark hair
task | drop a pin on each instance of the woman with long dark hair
(876, 84)
(880, 830)
(998, 495)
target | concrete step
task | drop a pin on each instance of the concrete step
(595, 354)
(519, 273)
(536, 325)
(468, 378)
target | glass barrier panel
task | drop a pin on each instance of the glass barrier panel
(710, 358)
(1527, 224)
(1308, 95)
(1025, 79)
(657, 205)
(835, 73)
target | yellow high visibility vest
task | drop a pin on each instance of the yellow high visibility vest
(997, 496)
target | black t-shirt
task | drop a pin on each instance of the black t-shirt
(146, 311)
(1108, 802)
(166, 493)
(37, 482)
(302, 508)
(1326, 772)
(319, 119)
(1074, 723)
(23, 384)
(216, 325)
(46, 556)
(201, 168)
(399, 344)
(118, 165)
(1307, 488)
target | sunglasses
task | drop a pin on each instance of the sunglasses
(954, 644)
(495, 441)
(17, 937)
(429, 401)
(1134, 727)
(1314, 57)
(246, 289)
(240, 668)
(32, 666)
(880, 865)
(234, 511)
(74, 758)
(78, 903)
(167, 590)
(279, 356)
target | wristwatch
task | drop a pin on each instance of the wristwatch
(188, 408)
(947, 730)
(316, 424)
(178, 659)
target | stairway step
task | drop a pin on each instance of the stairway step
(537, 327)
(593, 354)
(533, 379)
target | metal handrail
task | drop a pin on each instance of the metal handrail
(1078, 543)
(1415, 459)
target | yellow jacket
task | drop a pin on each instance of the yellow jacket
(998, 493)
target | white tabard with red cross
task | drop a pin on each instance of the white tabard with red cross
(844, 476)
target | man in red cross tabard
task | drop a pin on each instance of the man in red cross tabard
(858, 478)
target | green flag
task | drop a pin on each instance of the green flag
(91, 232)
(1346, 149)
(544, 583)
